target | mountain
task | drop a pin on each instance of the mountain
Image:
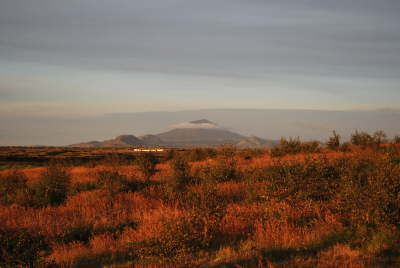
(90, 144)
(121, 141)
(181, 137)
(255, 142)
(202, 121)
(199, 133)
(151, 140)
(194, 133)
(266, 123)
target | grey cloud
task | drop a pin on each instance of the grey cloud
(345, 38)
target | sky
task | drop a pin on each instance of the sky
(93, 57)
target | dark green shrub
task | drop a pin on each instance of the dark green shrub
(295, 146)
(82, 187)
(397, 139)
(200, 154)
(52, 188)
(334, 141)
(366, 140)
(345, 147)
(13, 189)
(21, 248)
(147, 163)
(180, 174)
(314, 179)
(170, 155)
(78, 233)
(291, 146)
(311, 147)
(380, 137)
(112, 181)
(361, 139)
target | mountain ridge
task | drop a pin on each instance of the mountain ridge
(191, 134)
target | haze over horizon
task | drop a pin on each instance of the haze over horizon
(64, 62)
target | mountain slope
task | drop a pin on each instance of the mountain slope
(255, 142)
(151, 140)
(194, 133)
(199, 137)
(121, 141)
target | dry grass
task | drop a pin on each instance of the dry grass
(93, 228)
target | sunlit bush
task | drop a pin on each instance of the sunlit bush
(52, 188)
(14, 190)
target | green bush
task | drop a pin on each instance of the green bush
(21, 248)
(13, 189)
(52, 188)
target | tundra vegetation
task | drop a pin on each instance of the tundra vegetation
(301, 204)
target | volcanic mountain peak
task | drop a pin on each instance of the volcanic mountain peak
(195, 133)
(202, 121)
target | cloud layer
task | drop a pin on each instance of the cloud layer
(98, 56)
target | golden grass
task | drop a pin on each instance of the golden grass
(248, 230)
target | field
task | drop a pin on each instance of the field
(311, 207)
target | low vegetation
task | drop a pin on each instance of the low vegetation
(301, 204)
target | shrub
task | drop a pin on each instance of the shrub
(334, 141)
(315, 179)
(21, 248)
(291, 146)
(82, 187)
(224, 169)
(112, 181)
(53, 186)
(367, 140)
(180, 174)
(200, 154)
(295, 146)
(311, 147)
(380, 137)
(361, 139)
(397, 139)
(345, 147)
(177, 238)
(13, 189)
(147, 164)
(370, 190)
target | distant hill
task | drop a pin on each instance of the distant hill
(194, 133)
(266, 123)
(181, 137)
(152, 140)
(121, 141)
